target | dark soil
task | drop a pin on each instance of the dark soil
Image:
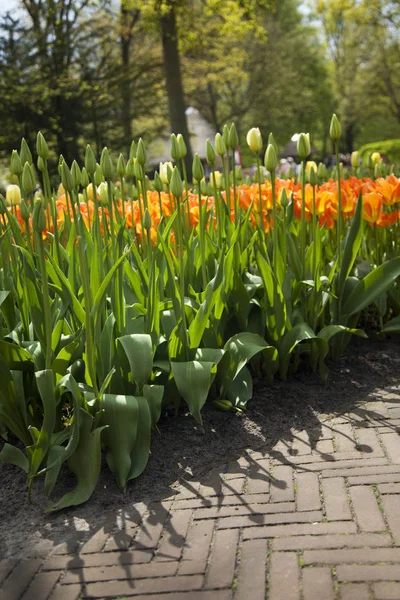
(184, 450)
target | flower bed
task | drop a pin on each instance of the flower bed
(122, 297)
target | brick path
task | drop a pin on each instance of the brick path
(318, 519)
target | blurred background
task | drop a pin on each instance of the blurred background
(105, 72)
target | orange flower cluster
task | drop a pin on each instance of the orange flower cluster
(381, 200)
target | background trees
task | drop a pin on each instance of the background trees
(102, 72)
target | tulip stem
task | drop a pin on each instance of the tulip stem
(202, 245)
(303, 217)
(339, 217)
(235, 203)
(46, 299)
(260, 200)
(275, 223)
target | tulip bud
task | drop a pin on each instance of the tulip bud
(28, 179)
(175, 153)
(38, 217)
(219, 179)
(42, 148)
(15, 164)
(375, 158)
(313, 177)
(233, 138)
(66, 177)
(175, 185)
(170, 168)
(102, 191)
(322, 172)
(197, 168)
(238, 173)
(25, 212)
(84, 178)
(106, 164)
(90, 161)
(139, 173)
(130, 167)
(133, 150)
(158, 184)
(181, 145)
(147, 219)
(41, 164)
(135, 193)
(76, 175)
(225, 135)
(271, 140)
(284, 201)
(25, 153)
(220, 145)
(60, 162)
(303, 146)
(254, 140)
(210, 153)
(355, 160)
(164, 172)
(60, 190)
(335, 130)
(13, 195)
(121, 165)
(271, 160)
(98, 175)
(141, 153)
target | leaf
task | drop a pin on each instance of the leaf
(330, 330)
(351, 246)
(141, 450)
(17, 358)
(371, 287)
(37, 452)
(66, 286)
(121, 416)
(199, 323)
(209, 355)
(193, 380)
(14, 456)
(63, 360)
(290, 340)
(139, 351)
(154, 396)
(294, 258)
(392, 326)
(242, 347)
(103, 287)
(240, 390)
(12, 410)
(84, 463)
(54, 460)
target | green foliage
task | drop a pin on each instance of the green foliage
(105, 324)
(388, 148)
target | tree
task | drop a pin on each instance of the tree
(362, 38)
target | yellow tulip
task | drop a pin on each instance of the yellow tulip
(254, 140)
(376, 158)
(13, 195)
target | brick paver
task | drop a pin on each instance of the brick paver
(316, 518)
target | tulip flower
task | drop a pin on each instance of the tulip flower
(13, 195)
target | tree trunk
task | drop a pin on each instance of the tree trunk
(125, 79)
(349, 137)
(173, 77)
